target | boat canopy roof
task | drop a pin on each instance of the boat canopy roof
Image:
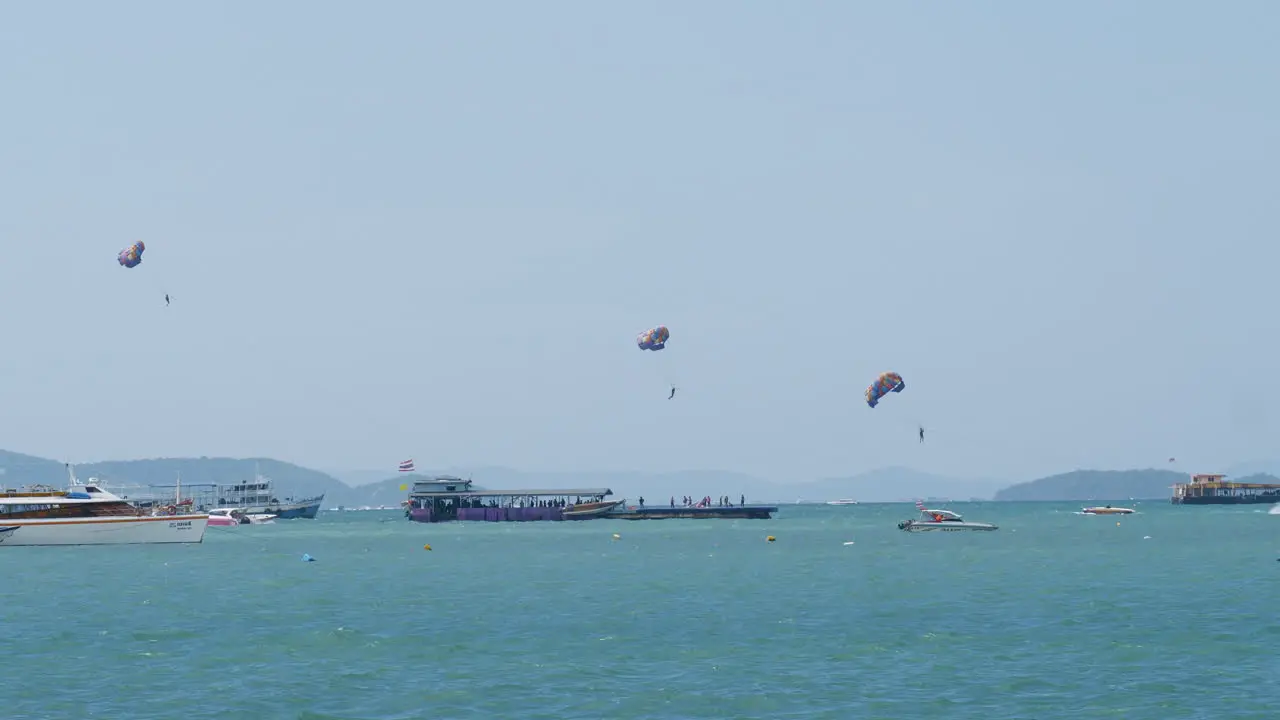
(46, 495)
(946, 514)
(581, 492)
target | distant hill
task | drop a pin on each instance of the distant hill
(1252, 467)
(1096, 485)
(1259, 478)
(288, 480)
(629, 485)
(17, 469)
(884, 485)
(356, 478)
(374, 488)
(893, 484)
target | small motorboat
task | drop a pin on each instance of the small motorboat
(942, 520)
(221, 517)
(228, 517)
(1107, 510)
(842, 501)
(587, 511)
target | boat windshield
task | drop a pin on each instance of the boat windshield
(940, 515)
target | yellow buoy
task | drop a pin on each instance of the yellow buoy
(771, 538)
(426, 547)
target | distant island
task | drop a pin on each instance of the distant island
(1096, 485)
(374, 488)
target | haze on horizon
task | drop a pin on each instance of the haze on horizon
(434, 231)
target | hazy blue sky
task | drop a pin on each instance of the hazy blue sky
(430, 230)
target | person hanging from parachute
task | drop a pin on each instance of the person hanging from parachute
(921, 433)
(166, 299)
(673, 392)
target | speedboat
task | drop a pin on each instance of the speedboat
(221, 517)
(943, 520)
(1107, 510)
(237, 516)
(587, 511)
(842, 501)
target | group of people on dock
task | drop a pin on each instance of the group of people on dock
(723, 501)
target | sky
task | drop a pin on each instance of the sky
(433, 230)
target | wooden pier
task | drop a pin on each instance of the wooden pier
(1210, 489)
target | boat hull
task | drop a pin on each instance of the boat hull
(305, 509)
(918, 526)
(1107, 511)
(1258, 499)
(587, 511)
(105, 531)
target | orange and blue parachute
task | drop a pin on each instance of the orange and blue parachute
(885, 384)
(653, 338)
(132, 255)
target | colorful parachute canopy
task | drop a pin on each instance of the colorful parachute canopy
(653, 338)
(885, 384)
(132, 255)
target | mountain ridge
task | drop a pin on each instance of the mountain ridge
(357, 488)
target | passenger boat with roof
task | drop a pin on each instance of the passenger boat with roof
(1107, 510)
(941, 520)
(85, 514)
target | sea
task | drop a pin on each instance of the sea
(1167, 613)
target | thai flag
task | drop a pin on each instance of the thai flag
(920, 506)
(406, 466)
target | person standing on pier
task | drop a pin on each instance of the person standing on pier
(641, 501)
(742, 501)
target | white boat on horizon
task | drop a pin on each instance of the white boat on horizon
(941, 521)
(842, 501)
(85, 514)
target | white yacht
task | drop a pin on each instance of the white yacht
(941, 520)
(85, 514)
(842, 501)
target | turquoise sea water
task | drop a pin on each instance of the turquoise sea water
(1055, 615)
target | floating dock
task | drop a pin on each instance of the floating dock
(1210, 489)
(726, 512)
